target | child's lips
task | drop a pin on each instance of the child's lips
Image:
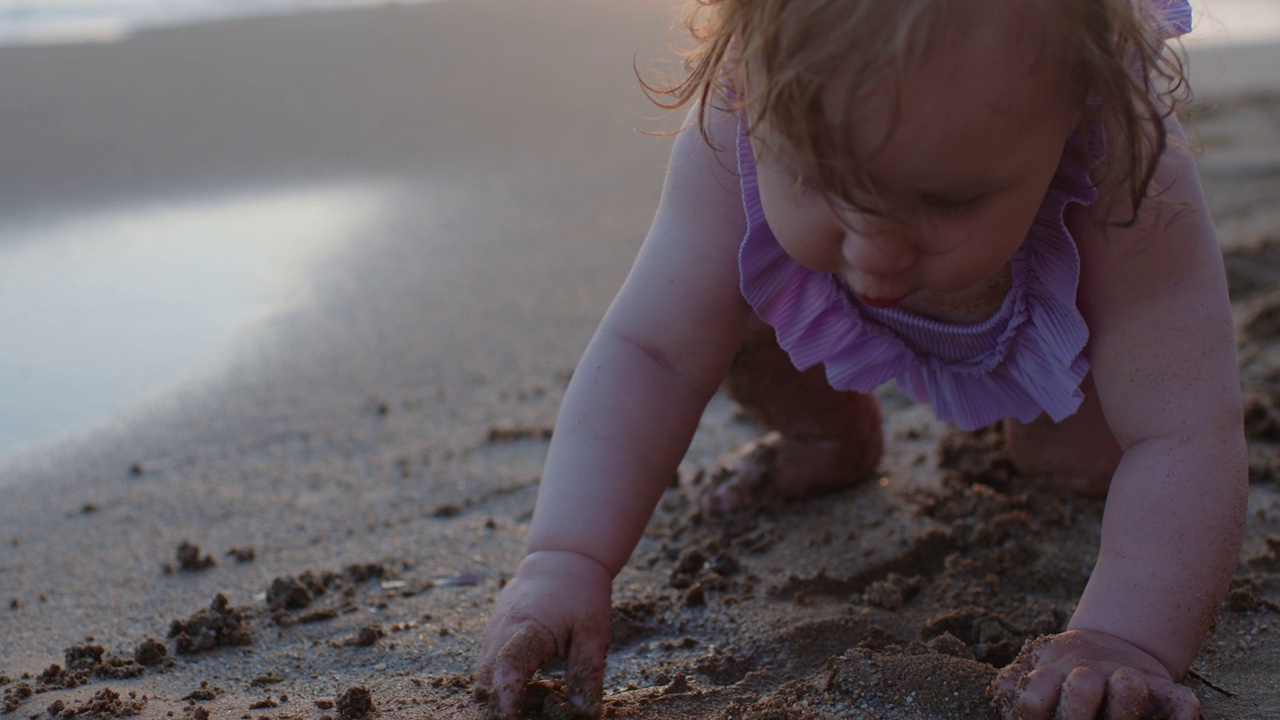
(880, 302)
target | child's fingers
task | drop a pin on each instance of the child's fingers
(584, 671)
(1128, 695)
(484, 675)
(522, 654)
(489, 647)
(1004, 688)
(1082, 695)
(1178, 702)
(1038, 695)
(484, 670)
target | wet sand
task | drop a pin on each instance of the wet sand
(357, 481)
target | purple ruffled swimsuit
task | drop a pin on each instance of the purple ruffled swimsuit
(1025, 359)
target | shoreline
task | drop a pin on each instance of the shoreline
(1218, 71)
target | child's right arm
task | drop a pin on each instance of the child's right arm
(628, 415)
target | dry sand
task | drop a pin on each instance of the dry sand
(359, 482)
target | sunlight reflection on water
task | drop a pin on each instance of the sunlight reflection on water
(99, 311)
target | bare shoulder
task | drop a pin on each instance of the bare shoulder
(1155, 298)
(700, 220)
(681, 301)
(702, 177)
(1171, 234)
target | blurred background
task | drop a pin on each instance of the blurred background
(165, 196)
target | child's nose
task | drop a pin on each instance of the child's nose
(878, 254)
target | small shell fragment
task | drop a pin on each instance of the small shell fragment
(464, 579)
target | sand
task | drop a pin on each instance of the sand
(320, 526)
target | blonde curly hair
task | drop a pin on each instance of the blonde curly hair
(1128, 80)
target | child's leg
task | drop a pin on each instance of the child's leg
(1079, 454)
(822, 439)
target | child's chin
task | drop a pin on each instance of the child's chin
(879, 302)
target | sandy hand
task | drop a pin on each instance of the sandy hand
(1084, 674)
(557, 605)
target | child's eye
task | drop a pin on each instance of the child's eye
(802, 186)
(951, 205)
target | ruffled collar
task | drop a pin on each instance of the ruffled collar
(1025, 359)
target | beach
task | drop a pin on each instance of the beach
(318, 521)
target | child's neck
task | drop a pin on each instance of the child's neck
(969, 306)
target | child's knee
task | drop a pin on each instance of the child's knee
(1073, 457)
(766, 384)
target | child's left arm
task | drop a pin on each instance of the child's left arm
(1163, 360)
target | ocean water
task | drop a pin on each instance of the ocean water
(1218, 22)
(41, 22)
(115, 307)
(1235, 22)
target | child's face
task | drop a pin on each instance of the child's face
(963, 163)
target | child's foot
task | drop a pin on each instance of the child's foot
(776, 467)
(1077, 455)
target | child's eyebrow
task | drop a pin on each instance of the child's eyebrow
(966, 175)
(959, 187)
(962, 185)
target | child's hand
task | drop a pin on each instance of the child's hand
(557, 605)
(1085, 674)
